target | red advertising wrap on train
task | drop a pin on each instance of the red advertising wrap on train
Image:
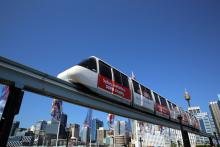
(113, 87)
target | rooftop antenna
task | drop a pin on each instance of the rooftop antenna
(132, 76)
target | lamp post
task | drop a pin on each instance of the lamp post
(141, 140)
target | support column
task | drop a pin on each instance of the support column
(211, 142)
(184, 133)
(12, 107)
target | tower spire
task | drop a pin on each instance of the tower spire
(187, 97)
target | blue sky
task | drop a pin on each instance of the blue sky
(169, 45)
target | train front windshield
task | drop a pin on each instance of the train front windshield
(89, 64)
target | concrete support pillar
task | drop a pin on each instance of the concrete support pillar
(12, 108)
(185, 135)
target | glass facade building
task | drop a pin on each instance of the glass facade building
(205, 123)
(215, 111)
(96, 124)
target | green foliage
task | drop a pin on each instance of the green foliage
(173, 144)
(203, 145)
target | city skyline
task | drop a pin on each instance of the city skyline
(168, 47)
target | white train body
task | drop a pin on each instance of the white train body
(105, 80)
(81, 75)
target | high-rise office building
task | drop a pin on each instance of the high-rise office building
(215, 111)
(39, 128)
(14, 126)
(121, 128)
(205, 123)
(121, 133)
(63, 123)
(194, 110)
(101, 134)
(40, 125)
(52, 127)
(212, 124)
(75, 128)
(96, 124)
(85, 135)
(63, 120)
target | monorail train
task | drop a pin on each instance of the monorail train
(103, 79)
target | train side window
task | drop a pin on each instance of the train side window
(136, 87)
(175, 107)
(105, 70)
(156, 98)
(89, 64)
(163, 101)
(117, 76)
(146, 92)
(124, 80)
(170, 105)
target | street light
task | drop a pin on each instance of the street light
(141, 140)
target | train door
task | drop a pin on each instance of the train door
(113, 84)
(158, 107)
(197, 125)
(184, 117)
(165, 109)
(121, 85)
(190, 119)
(147, 99)
(172, 112)
(137, 99)
(176, 110)
(105, 81)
